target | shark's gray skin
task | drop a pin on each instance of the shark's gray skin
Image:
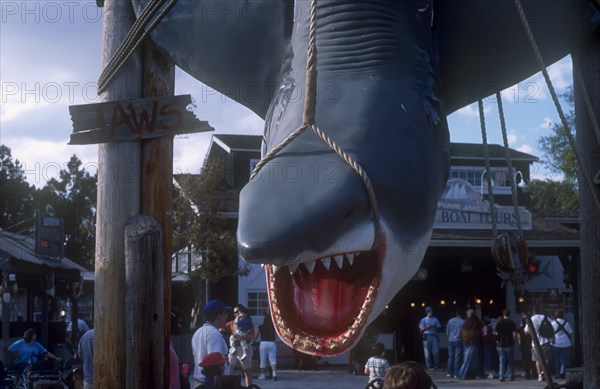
(388, 74)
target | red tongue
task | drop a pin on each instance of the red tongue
(325, 304)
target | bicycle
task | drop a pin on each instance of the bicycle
(376, 383)
(61, 378)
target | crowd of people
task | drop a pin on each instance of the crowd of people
(220, 346)
(485, 348)
(477, 348)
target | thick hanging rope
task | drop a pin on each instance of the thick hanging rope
(134, 38)
(488, 169)
(513, 186)
(500, 241)
(132, 35)
(517, 277)
(310, 100)
(309, 121)
(587, 180)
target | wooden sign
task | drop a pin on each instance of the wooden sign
(119, 121)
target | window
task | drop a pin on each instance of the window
(476, 176)
(258, 303)
(253, 162)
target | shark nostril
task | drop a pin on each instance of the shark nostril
(348, 214)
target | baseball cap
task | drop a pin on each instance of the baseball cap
(428, 309)
(212, 359)
(215, 306)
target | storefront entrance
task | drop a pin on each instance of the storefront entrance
(451, 279)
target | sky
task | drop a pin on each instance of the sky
(50, 58)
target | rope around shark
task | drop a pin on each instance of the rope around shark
(309, 121)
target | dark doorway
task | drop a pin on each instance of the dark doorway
(457, 278)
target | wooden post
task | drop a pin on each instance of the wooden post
(5, 331)
(157, 187)
(45, 311)
(144, 302)
(74, 317)
(586, 61)
(118, 200)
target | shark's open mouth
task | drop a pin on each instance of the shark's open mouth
(321, 307)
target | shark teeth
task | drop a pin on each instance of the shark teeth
(310, 266)
(350, 258)
(326, 262)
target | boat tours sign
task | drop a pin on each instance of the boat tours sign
(462, 207)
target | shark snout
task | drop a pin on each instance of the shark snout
(301, 208)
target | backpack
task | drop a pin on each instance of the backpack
(561, 327)
(545, 329)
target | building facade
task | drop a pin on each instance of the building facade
(458, 271)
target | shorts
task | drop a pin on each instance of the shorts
(546, 352)
(235, 359)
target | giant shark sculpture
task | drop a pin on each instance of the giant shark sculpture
(388, 74)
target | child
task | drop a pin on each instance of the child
(243, 327)
(377, 365)
(212, 366)
(408, 375)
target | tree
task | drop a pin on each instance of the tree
(199, 221)
(552, 195)
(560, 158)
(73, 197)
(16, 195)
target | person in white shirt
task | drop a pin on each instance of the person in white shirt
(82, 328)
(208, 339)
(562, 341)
(536, 319)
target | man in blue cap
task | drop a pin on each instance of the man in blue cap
(207, 339)
(429, 327)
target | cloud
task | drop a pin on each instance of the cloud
(534, 88)
(561, 73)
(472, 111)
(189, 152)
(43, 159)
(544, 125)
(512, 137)
(561, 77)
(525, 149)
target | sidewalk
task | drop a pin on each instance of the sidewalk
(338, 378)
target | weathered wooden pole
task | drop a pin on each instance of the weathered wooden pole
(586, 62)
(144, 301)
(157, 190)
(5, 330)
(118, 200)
